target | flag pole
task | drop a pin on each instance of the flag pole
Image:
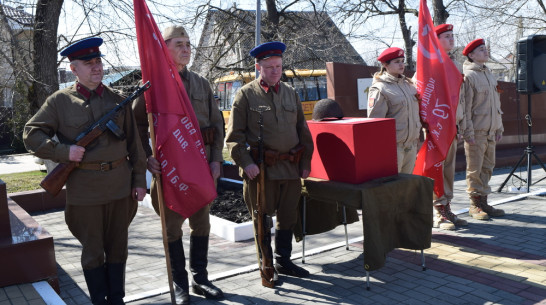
(162, 208)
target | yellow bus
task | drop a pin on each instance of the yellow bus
(309, 84)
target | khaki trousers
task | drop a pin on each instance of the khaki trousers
(480, 162)
(199, 222)
(406, 154)
(282, 198)
(102, 230)
(449, 175)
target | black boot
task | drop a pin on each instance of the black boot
(283, 250)
(199, 247)
(96, 284)
(116, 283)
(180, 275)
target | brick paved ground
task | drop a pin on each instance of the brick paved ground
(501, 261)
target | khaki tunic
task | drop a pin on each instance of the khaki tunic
(208, 115)
(284, 128)
(67, 113)
(395, 97)
(483, 118)
(99, 204)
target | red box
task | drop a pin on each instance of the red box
(353, 150)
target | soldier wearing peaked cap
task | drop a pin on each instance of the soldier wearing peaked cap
(445, 219)
(211, 123)
(102, 192)
(483, 128)
(284, 128)
(393, 95)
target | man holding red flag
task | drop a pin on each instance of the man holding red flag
(445, 218)
(438, 83)
(210, 121)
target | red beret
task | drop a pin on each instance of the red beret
(443, 28)
(390, 53)
(473, 45)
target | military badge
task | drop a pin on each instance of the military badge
(371, 102)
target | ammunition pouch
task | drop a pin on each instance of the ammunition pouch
(272, 156)
(208, 135)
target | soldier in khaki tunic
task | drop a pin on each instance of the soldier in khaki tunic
(211, 124)
(445, 219)
(483, 128)
(284, 129)
(102, 192)
(392, 95)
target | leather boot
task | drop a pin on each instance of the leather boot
(199, 247)
(96, 284)
(475, 209)
(440, 219)
(116, 283)
(491, 211)
(452, 217)
(283, 250)
(179, 273)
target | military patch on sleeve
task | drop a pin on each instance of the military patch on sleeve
(371, 102)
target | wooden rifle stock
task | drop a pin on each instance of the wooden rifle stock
(264, 233)
(55, 180)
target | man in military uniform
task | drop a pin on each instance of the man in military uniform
(102, 192)
(445, 218)
(211, 124)
(284, 128)
(483, 128)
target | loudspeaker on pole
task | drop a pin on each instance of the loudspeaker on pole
(531, 64)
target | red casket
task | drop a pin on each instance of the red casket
(353, 150)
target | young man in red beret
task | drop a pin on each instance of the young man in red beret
(483, 128)
(445, 219)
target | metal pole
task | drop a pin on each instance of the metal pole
(258, 30)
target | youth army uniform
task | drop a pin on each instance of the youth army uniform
(99, 204)
(395, 97)
(442, 204)
(483, 122)
(211, 124)
(284, 128)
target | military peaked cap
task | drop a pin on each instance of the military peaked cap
(268, 49)
(84, 49)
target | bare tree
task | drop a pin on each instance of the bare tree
(364, 11)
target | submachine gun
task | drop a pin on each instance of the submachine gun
(55, 180)
(264, 221)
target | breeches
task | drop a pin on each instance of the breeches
(480, 162)
(102, 230)
(281, 199)
(199, 222)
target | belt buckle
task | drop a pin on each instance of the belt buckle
(103, 166)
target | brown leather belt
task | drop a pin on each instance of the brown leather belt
(102, 166)
(286, 156)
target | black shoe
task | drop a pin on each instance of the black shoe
(208, 290)
(287, 267)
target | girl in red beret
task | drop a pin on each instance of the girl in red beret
(393, 95)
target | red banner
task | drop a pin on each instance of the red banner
(438, 81)
(186, 179)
